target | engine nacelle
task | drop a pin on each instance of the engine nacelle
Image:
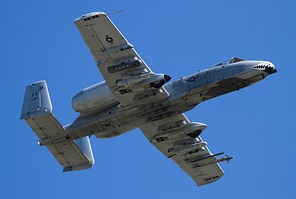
(94, 98)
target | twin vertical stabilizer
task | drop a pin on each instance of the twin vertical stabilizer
(37, 112)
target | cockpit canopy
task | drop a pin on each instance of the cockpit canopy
(236, 59)
(231, 61)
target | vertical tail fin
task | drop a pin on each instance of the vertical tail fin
(37, 112)
(36, 101)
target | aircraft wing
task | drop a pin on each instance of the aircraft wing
(127, 75)
(174, 137)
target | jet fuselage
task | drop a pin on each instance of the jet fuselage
(185, 94)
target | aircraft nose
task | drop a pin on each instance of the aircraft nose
(266, 66)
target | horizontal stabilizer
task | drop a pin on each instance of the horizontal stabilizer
(37, 112)
(74, 154)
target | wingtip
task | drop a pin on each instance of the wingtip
(89, 16)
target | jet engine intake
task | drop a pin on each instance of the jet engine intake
(159, 83)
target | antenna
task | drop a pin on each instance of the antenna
(115, 12)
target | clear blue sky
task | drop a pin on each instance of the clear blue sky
(255, 125)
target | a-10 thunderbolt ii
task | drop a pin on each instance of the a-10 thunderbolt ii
(132, 96)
